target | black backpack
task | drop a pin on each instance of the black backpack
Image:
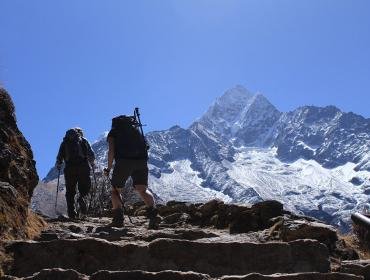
(129, 143)
(75, 148)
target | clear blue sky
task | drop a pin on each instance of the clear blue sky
(69, 62)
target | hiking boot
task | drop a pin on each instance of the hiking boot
(154, 219)
(117, 220)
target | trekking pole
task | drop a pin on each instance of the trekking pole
(56, 197)
(137, 116)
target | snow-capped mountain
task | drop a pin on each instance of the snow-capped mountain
(241, 117)
(315, 160)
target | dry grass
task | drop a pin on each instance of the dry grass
(33, 228)
(35, 224)
(353, 242)
(20, 225)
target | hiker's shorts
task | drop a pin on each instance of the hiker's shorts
(124, 168)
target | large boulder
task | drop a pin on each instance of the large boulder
(256, 218)
(300, 229)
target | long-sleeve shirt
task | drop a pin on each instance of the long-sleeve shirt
(85, 152)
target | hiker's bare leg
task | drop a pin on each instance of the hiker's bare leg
(152, 212)
(146, 195)
(116, 201)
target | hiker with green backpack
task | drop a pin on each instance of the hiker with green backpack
(129, 150)
(77, 154)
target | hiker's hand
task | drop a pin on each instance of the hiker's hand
(106, 171)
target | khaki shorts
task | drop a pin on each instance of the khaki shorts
(124, 168)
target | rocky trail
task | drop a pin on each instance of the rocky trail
(194, 241)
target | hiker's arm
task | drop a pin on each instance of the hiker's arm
(110, 152)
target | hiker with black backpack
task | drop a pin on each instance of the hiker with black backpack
(129, 150)
(77, 154)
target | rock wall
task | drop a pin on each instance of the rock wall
(17, 166)
(18, 176)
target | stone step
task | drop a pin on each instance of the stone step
(213, 258)
(60, 274)
(357, 267)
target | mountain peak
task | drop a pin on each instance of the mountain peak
(230, 104)
(237, 94)
(239, 112)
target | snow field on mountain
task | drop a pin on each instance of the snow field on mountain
(183, 184)
(302, 185)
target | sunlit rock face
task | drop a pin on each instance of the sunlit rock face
(18, 176)
(16, 157)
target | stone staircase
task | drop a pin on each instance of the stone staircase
(90, 250)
